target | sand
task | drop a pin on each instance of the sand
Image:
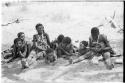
(78, 18)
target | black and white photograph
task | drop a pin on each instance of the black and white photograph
(62, 41)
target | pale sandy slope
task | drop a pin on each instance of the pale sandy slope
(81, 72)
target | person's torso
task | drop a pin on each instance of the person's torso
(83, 51)
(67, 48)
(41, 40)
(100, 39)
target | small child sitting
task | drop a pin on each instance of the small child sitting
(82, 51)
(50, 56)
(83, 47)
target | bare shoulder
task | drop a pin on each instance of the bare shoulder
(103, 35)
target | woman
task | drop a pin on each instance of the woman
(41, 43)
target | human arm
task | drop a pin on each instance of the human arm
(105, 46)
(35, 44)
(23, 53)
(48, 39)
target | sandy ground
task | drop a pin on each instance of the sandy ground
(78, 18)
(85, 71)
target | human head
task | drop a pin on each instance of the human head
(102, 44)
(60, 38)
(21, 35)
(49, 50)
(94, 31)
(19, 42)
(66, 40)
(39, 28)
(50, 57)
(83, 44)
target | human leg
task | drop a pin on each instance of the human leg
(41, 55)
(31, 58)
(88, 55)
(107, 60)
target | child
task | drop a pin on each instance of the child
(56, 42)
(20, 48)
(60, 38)
(50, 56)
(20, 51)
(83, 47)
(65, 49)
(82, 52)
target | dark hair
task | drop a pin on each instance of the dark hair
(85, 43)
(17, 40)
(66, 40)
(39, 24)
(60, 38)
(95, 31)
(20, 33)
(49, 50)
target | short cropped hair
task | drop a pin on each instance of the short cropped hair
(66, 40)
(94, 30)
(39, 24)
(17, 40)
(85, 43)
(60, 38)
(20, 33)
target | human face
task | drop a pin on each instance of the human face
(22, 36)
(19, 44)
(40, 29)
(102, 44)
(82, 46)
(95, 35)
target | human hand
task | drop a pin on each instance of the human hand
(21, 54)
(100, 49)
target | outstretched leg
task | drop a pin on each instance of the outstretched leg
(88, 55)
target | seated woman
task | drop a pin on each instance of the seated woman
(41, 43)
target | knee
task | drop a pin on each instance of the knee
(106, 55)
(33, 52)
(40, 54)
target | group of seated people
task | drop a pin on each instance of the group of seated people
(42, 49)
